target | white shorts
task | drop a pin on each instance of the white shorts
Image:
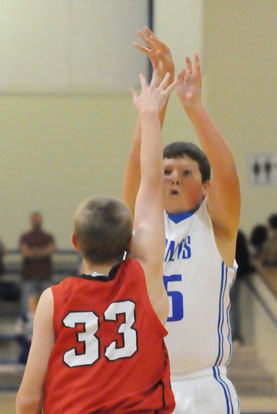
(205, 392)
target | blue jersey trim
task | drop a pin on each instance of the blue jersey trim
(226, 390)
(178, 217)
(228, 319)
(221, 314)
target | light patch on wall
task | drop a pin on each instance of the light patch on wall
(70, 46)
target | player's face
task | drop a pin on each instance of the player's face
(183, 187)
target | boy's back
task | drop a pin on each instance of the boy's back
(101, 359)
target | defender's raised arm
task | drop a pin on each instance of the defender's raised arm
(149, 239)
(161, 59)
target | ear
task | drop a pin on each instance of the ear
(74, 242)
(206, 187)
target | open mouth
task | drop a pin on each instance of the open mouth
(174, 192)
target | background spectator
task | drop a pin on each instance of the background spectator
(2, 253)
(257, 240)
(24, 328)
(37, 247)
(244, 268)
(270, 247)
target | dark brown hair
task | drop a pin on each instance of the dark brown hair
(180, 148)
(103, 227)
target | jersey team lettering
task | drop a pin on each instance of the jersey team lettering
(177, 251)
(92, 343)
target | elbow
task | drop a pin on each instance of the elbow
(27, 404)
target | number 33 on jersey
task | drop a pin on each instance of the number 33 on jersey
(91, 343)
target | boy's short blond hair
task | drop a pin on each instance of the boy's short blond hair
(103, 228)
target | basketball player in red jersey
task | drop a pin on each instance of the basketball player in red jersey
(98, 343)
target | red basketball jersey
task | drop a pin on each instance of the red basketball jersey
(109, 354)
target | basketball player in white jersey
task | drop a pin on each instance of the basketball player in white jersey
(201, 222)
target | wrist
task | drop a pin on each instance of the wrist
(147, 113)
(193, 107)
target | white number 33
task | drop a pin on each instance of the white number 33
(92, 343)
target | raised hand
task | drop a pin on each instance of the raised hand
(154, 96)
(189, 83)
(159, 54)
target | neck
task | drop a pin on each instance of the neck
(102, 269)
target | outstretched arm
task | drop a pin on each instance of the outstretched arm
(149, 238)
(162, 62)
(30, 394)
(224, 194)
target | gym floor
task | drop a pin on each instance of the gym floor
(249, 405)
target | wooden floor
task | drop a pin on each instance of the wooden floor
(249, 405)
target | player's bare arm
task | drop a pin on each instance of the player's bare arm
(30, 394)
(224, 194)
(162, 63)
(149, 238)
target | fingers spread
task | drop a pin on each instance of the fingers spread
(182, 74)
(171, 86)
(189, 65)
(143, 81)
(164, 82)
(149, 32)
(144, 38)
(154, 81)
(133, 92)
(142, 48)
(196, 58)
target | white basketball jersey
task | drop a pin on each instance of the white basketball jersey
(198, 284)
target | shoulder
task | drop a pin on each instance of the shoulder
(47, 296)
(45, 307)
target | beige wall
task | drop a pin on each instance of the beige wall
(241, 61)
(56, 150)
(181, 25)
(63, 46)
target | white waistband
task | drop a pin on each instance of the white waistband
(202, 373)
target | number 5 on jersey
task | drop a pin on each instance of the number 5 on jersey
(92, 343)
(177, 306)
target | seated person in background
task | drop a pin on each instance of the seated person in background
(9, 290)
(270, 246)
(24, 328)
(244, 269)
(257, 239)
(2, 254)
(36, 247)
(98, 343)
